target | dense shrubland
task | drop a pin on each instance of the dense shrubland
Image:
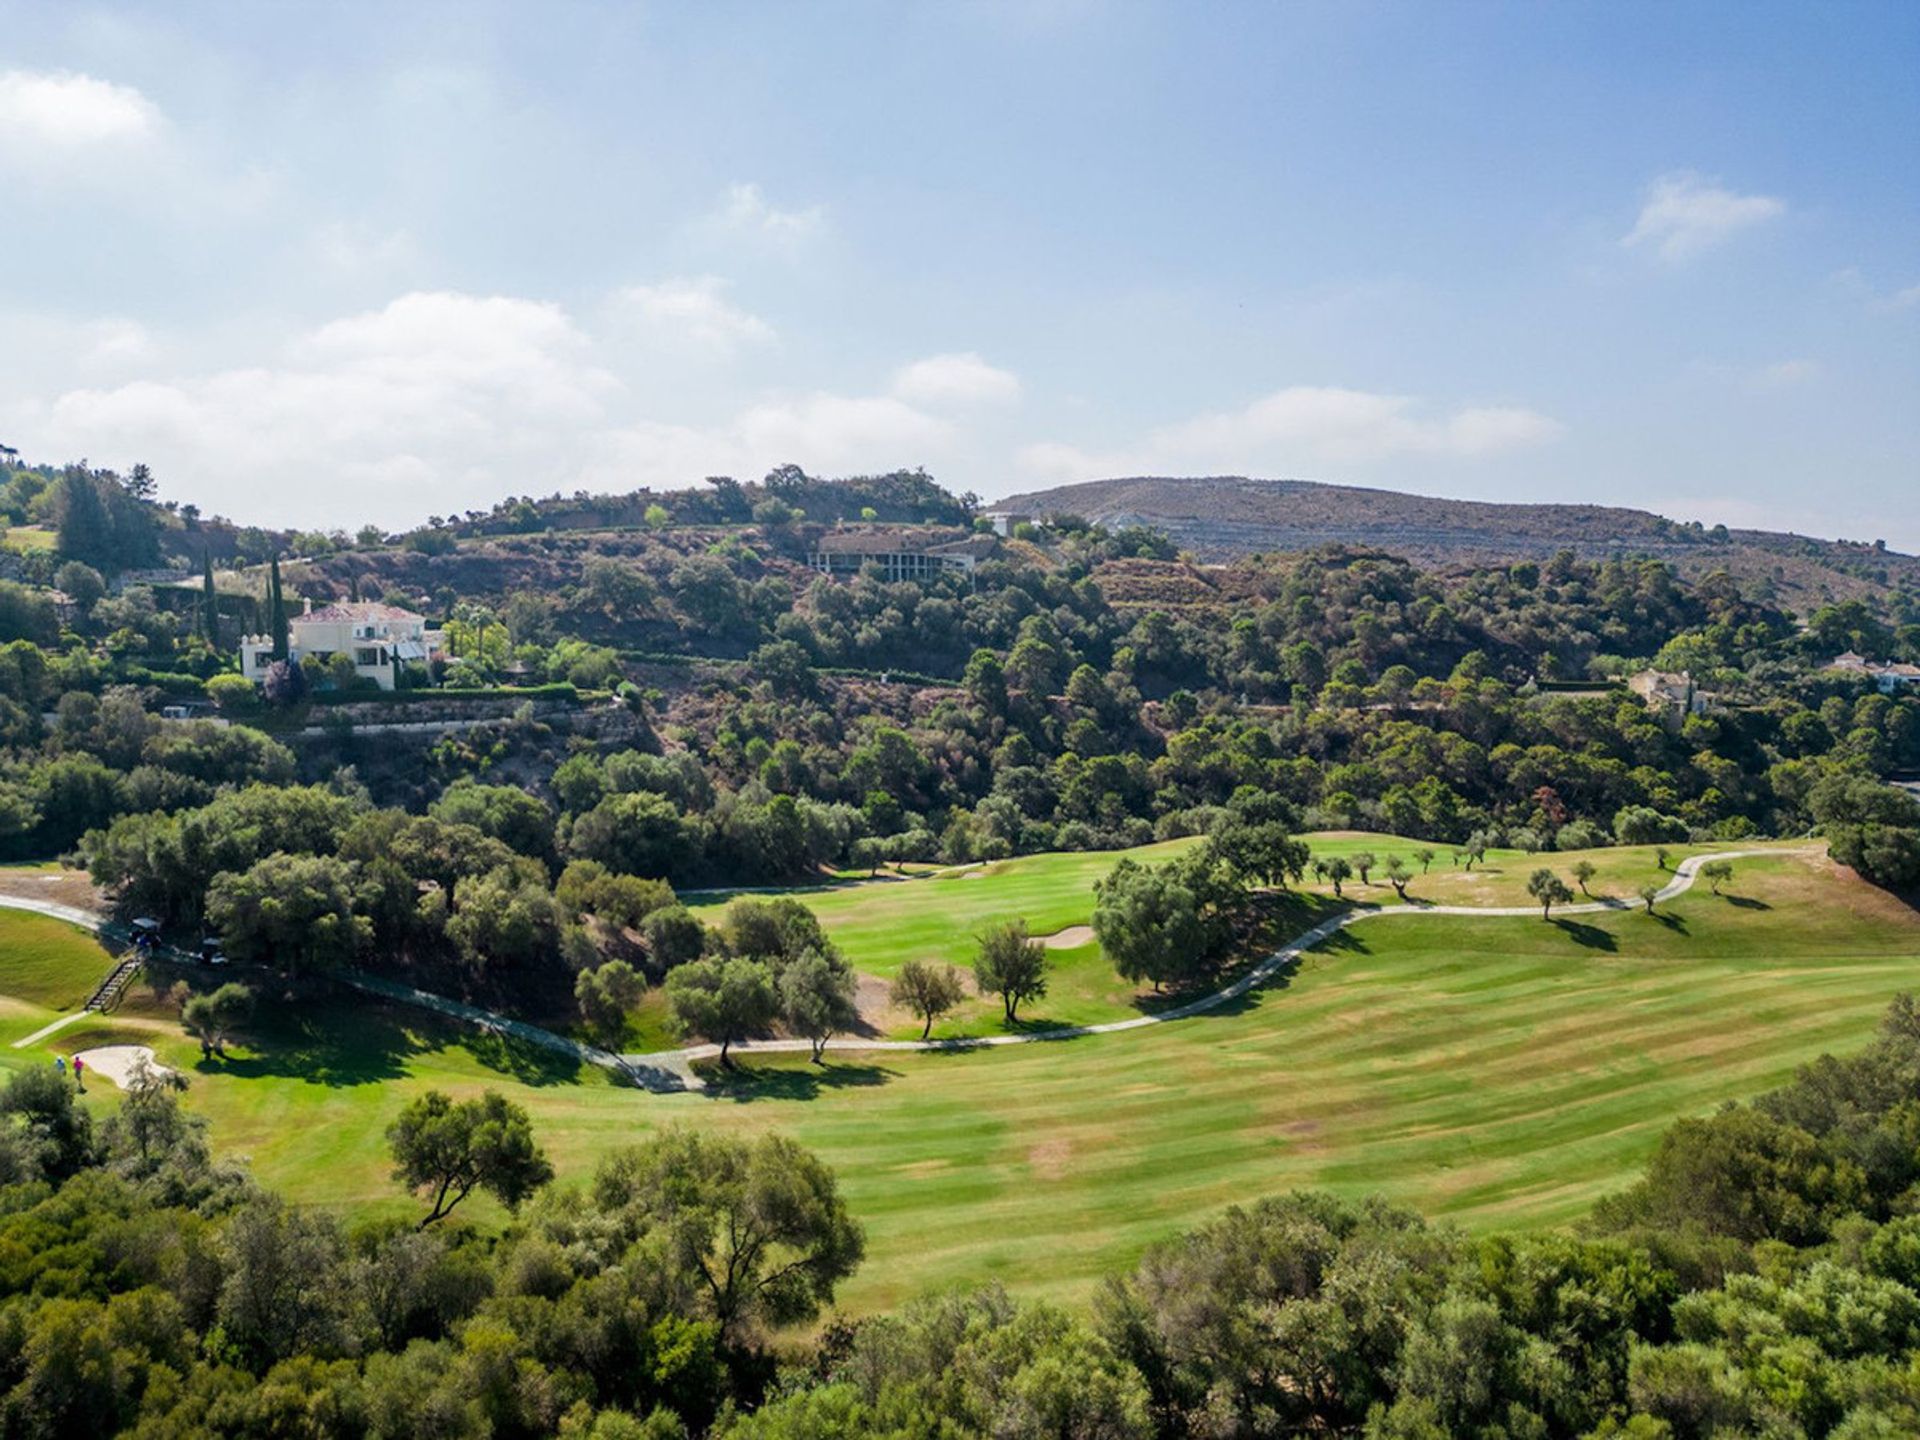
(1763, 1278)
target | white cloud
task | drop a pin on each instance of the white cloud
(1783, 374)
(389, 415)
(1904, 299)
(956, 380)
(1684, 215)
(1301, 428)
(440, 401)
(68, 113)
(694, 310)
(356, 248)
(748, 211)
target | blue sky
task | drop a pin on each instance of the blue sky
(322, 264)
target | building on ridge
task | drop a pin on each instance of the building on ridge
(380, 638)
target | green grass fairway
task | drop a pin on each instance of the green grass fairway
(881, 924)
(1498, 1071)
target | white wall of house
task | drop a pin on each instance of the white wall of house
(378, 645)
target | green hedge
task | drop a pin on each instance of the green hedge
(171, 682)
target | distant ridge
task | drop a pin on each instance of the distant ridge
(1219, 517)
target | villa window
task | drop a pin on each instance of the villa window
(367, 655)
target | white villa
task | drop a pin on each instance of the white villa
(380, 638)
(1889, 675)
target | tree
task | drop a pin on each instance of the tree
(1425, 856)
(1164, 923)
(293, 911)
(755, 1230)
(1363, 861)
(211, 1018)
(1339, 870)
(284, 683)
(605, 995)
(673, 935)
(57, 1130)
(817, 997)
(1583, 871)
(1663, 857)
(637, 834)
(1643, 825)
(657, 517)
(276, 611)
(1716, 873)
(1398, 875)
(506, 812)
(1255, 838)
(1549, 889)
(81, 583)
(725, 999)
(928, 990)
(505, 917)
(209, 601)
(1476, 849)
(449, 1148)
(1011, 965)
(1649, 893)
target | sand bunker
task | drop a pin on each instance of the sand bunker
(1071, 938)
(118, 1062)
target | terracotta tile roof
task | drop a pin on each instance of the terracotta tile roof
(356, 612)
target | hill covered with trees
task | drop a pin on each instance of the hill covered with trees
(1220, 517)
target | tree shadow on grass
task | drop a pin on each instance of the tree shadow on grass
(324, 1046)
(1746, 902)
(1591, 937)
(346, 1042)
(529, 1064)
(1672, 922)
(745, 1084)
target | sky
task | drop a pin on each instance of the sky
(336, 263)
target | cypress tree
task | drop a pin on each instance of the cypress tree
(209, 603)
(278, 611)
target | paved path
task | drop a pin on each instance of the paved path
(680, 1061)
(45, 1030)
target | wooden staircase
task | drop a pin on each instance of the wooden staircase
(114, 986)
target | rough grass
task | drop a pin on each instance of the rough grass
(48, 963)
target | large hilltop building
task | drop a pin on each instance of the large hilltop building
(380, 638)
(898, 553)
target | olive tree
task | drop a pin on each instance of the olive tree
(1011, 965)
(448, 1149)
(1549, 889)
(817, 997)
(928, 990)
(724, 998)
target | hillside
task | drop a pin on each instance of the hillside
(1221, 516)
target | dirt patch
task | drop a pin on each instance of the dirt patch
(1071, 938)
(63, 887)
(1049, 1159)
(1301, 1136)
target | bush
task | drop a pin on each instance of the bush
(234, 694)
